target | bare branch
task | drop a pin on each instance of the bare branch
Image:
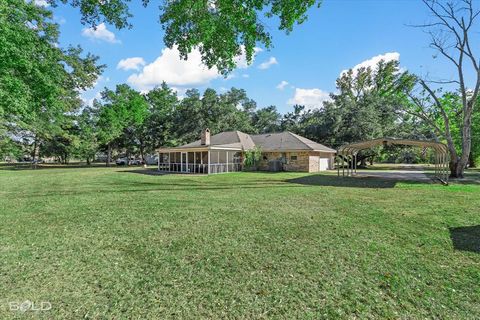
(442, 18)
(440, 48)
(443, 81)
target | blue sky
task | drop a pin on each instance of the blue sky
(339, 35)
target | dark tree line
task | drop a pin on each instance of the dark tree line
(41, 112)
(368, 105)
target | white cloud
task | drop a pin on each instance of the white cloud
(241, 60)
(89, 101)
(245, 75)
(41, 3)
(373, 62)
(282, 85)
(267, 64)
(100, 33)
(231, 76)
(310, 98)
(131, 63)
(170, 68)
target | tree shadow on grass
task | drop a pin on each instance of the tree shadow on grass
(310, 180)
(154, 172)
(351, 182)
(466, 238)
(46, 166)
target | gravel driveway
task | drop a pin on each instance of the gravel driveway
(412, 175)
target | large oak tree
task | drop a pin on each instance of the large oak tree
(39, 80)
(452, 33)
(220, 29)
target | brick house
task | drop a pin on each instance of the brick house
(224, 152)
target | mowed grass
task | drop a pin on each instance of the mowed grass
(107, 243)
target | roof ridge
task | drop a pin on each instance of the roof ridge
(298, 138)
(238, 136)
(264, 134)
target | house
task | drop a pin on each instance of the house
(225, 152)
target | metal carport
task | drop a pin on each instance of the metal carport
(348, 153)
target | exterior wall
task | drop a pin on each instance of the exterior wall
(313, 163)
(305, 162)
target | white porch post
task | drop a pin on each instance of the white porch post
(208, 164)
(159, 154)
(227, 161)
(169, 161)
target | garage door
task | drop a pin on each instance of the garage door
(323, 164)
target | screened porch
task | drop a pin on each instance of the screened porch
(200, 161)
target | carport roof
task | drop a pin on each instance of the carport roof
(355, 147)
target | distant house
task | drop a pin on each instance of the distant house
(224, 152)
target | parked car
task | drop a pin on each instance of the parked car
(135, 162)
(151, 159)
(121, 161)
(131, 162)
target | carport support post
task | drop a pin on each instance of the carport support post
(169, 161)
(355, 163)
(338, 165)
(346, 162)
(443, 166)
(343, 166)
(348, 165)
(445, 170)
(446, 167)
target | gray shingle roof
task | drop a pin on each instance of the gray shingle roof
(282, 141)
(287, 140)
(228, 139)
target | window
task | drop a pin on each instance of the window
(293, 157)
(237, 157)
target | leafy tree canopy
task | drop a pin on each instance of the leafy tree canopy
(221, 29)
(39, 81)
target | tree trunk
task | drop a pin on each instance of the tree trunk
(363, 162)
(142, 154)
(34, 151)
(88, 161)
(471, 161)
(109, 155)
(462, 161)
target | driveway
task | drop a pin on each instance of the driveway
(408, 173)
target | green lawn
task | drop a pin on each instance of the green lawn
(109, 243)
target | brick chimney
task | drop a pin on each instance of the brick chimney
(205, 139)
